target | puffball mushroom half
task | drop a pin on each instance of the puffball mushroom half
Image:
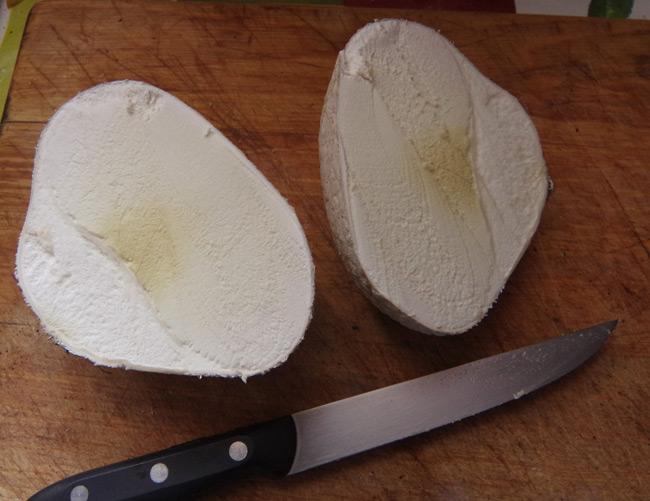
(151, 242)
(433, 176)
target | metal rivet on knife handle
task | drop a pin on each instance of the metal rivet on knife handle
(238, 451)
(159, 473)
(79, 493)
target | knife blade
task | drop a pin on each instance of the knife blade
(313, 437)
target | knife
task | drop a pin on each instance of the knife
(310, 438)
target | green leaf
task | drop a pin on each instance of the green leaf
(610, 8)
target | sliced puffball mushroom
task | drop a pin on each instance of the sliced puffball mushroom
(433, 176)
(151, 242)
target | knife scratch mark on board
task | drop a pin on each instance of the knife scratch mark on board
(75, 55)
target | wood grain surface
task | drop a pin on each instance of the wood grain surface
(259, 74)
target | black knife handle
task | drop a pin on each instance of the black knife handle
(183, 470)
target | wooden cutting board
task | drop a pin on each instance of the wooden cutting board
(259, 74)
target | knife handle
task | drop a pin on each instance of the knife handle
(183, 470)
